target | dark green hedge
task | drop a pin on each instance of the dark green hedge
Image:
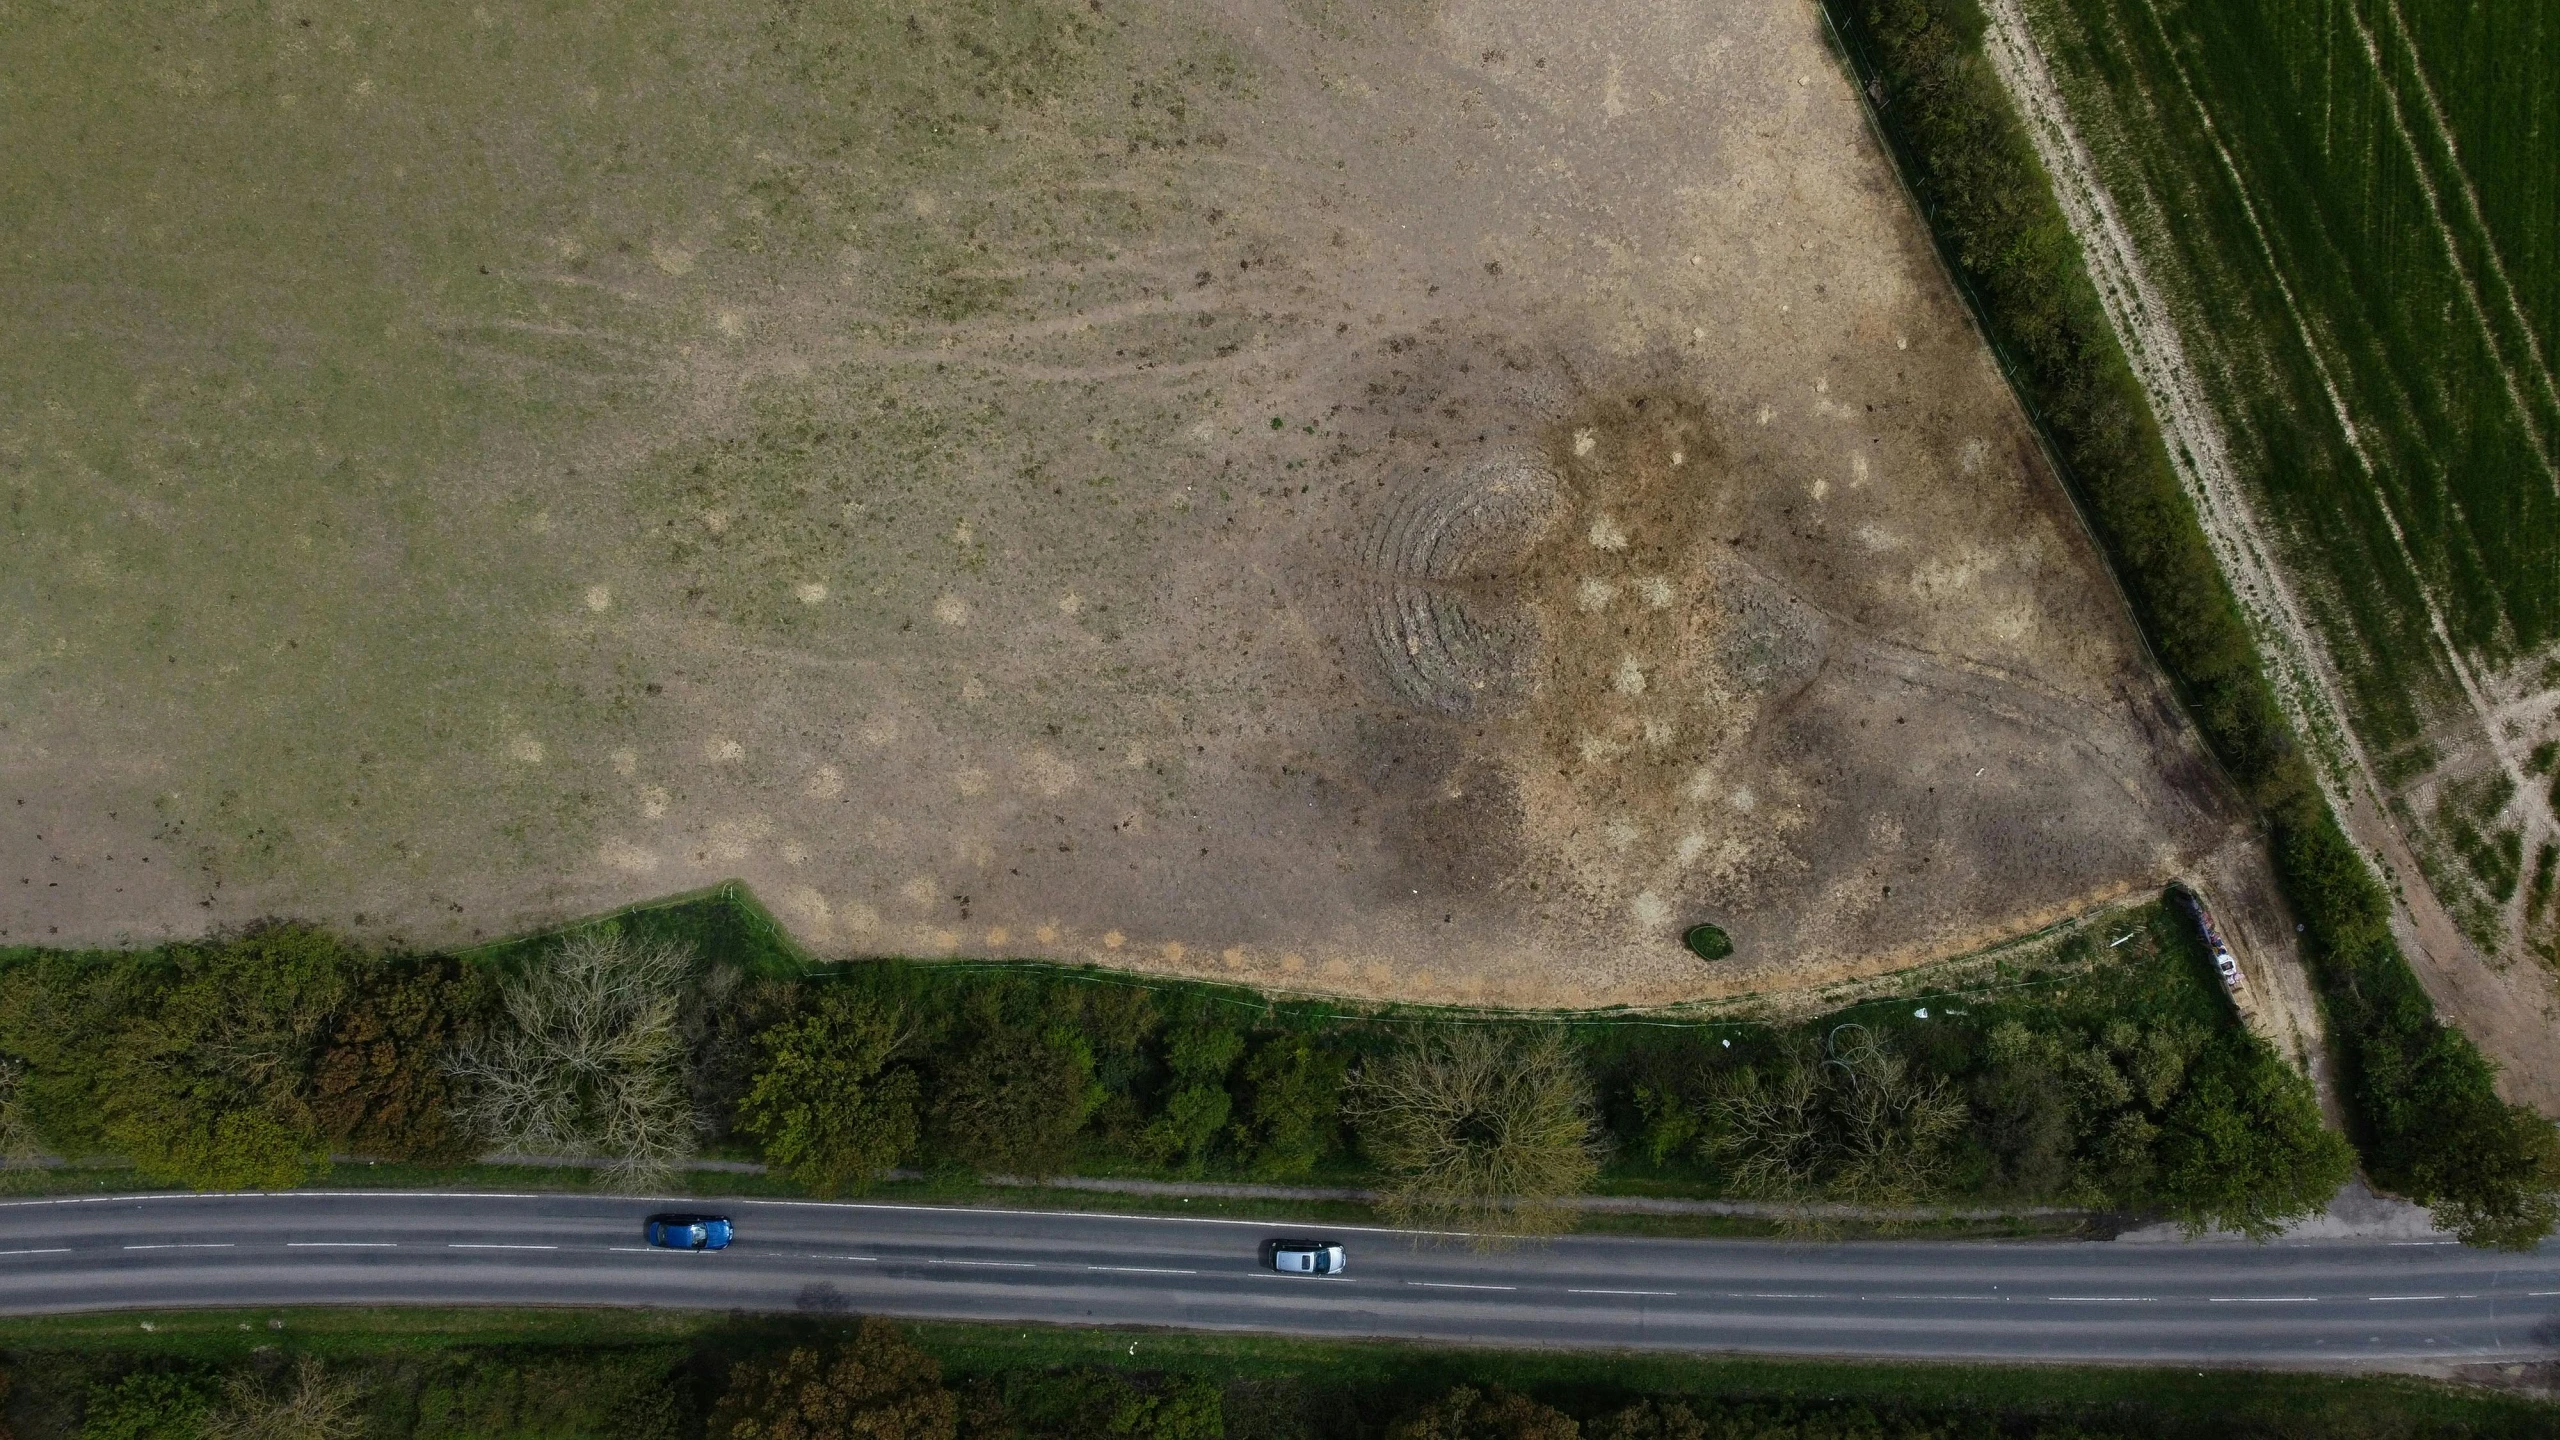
(2429, 1123)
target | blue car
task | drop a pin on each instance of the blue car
(688, 1232)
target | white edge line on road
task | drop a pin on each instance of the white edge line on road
(2262, 1299)
(192, 1245)
(287, 1195)
(57, 1250)
(1454, 1285)
(342, 1244)
(463, 1245)
(1622, 1292)
(1140, 1270)
(1095, 1215)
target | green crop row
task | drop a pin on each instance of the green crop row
(2427, 1118)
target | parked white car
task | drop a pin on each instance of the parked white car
(1306, 1257)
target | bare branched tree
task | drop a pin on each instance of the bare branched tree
(1479, 1130)
(1847, 1122)
(1892, 1126)
(589, 1061)
(314, 1406)
(1769, 1127)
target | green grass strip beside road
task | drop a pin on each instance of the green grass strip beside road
(2427, 1117)
(1320, 1388)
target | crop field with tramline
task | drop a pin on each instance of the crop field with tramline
(2349, 217)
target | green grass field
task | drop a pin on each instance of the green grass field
(2351, 207)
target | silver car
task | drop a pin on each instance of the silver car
(1305, 1257)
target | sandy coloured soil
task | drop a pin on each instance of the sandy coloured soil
(1469, 493)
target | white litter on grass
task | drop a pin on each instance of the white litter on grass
(599, 597)
(810, 593)
(1607, 534)
(1584, 442)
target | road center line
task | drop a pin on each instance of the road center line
(991, 1264)
(1140, 1270)
(1454, 1285)
(59, 1250)
(2103, 1299)
(460, 1245)
(1622, 1292)
(193, 1245)
(1774, 1295)
(342, 1244)
(2262, 1299)
(2408, 1297)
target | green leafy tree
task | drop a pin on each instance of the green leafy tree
(147, 1405)
(829, 1111)
(1012, 1099)
(876, 1386)
(1089, 1401)
(1480, 1128)
(1466, 1413)
(1293, 1090)
(201, 1079)
(1196, 1103)
(2243, 1148)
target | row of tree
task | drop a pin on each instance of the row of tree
(249, 1061)
(869, 1381)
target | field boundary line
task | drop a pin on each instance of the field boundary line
(2533, 432)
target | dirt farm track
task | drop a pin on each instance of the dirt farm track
(1402, 500)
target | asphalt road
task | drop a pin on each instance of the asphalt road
(2365, 1305)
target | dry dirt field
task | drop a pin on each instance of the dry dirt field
(1404, 500)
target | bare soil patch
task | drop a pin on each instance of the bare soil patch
(1419, 502)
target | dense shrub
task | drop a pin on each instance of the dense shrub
(2428, 1117)
(875, 1386)
(380, 1088)
(194, 1062)
(830, 1111)
(1467, 1413)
